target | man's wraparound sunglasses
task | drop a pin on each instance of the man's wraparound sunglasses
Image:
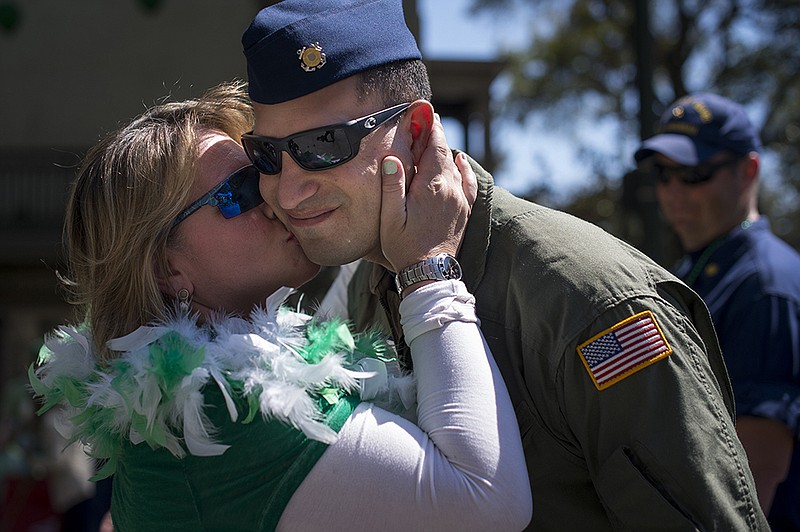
(690, 175)
(234, 195)
(316, 149)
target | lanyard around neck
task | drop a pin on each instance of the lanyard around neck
(706, 255)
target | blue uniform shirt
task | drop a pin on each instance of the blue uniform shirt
(750, 281)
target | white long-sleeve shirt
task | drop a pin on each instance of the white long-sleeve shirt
(461, 468)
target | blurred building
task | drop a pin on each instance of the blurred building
(70, 72)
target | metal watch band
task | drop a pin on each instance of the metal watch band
(442, 267)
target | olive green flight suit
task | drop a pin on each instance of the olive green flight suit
(655, 450)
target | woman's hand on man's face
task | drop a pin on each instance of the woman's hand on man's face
(429, 215)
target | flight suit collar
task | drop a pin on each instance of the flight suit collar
(475, 246)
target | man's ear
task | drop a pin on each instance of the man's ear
(419, 122)
(752, 164)
(174, 279)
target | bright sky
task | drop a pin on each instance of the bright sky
(449, 31)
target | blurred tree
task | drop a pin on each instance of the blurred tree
(580, 68)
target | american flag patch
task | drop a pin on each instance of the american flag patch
(624, 349)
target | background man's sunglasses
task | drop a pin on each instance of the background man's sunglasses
(316, 149)
(234, 195)
(690, 175)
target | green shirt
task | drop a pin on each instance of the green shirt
(245, 489)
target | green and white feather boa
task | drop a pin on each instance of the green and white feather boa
(282, 363)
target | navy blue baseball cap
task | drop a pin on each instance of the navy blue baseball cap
(296, 47)
(698, 126)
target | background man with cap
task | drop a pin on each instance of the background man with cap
(621, 394)
(706, 161)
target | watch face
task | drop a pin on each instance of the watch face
(451, 268)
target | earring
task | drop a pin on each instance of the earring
(183, 299)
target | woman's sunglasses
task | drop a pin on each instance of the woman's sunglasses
(690, 175)
(316, 149)
(234, 195)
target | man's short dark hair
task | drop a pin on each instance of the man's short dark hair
(396, 82)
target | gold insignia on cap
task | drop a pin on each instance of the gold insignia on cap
(311, 57)
(677, 112)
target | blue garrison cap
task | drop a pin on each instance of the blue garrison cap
(698, 126)
(296, 47)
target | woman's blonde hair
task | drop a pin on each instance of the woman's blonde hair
(129, 189)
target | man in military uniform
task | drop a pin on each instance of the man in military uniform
(622, 397)
(706, 161)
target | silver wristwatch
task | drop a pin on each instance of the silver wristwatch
(442, 267)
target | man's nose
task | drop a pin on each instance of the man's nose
(293, 185)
